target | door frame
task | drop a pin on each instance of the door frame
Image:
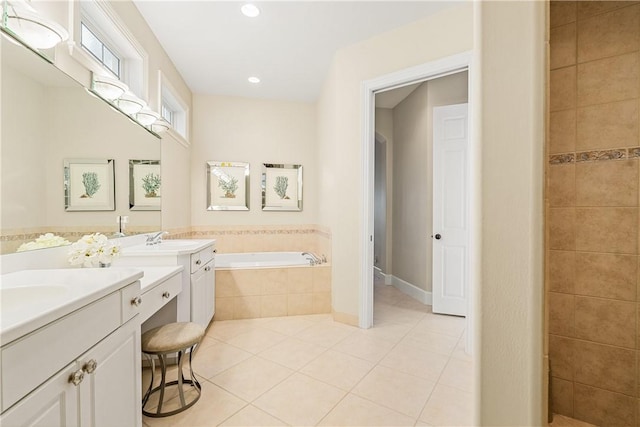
(429, 71)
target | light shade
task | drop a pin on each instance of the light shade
(130, 104)
(108, 88)
(250, 10)
(33, 29)
(147, 117)
(161, 125)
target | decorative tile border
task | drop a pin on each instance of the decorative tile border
(594, 156)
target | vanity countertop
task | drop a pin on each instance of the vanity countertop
(30, 299)
(155, 275)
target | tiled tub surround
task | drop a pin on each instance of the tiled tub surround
(593, 221)
(248, 293)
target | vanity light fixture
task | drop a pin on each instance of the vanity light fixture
(254, 80)
(38, 32)
(130, 104)
(107, 87)
(250, 10)
(147, 117)
(161, 125)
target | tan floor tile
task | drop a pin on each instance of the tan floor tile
(460, 352)
(431, 341)
(562, 421)
(442, 324)
(415, 361)
(401, 392)
(355, 411)
(289, 325)
(338, 369)
(448, 406)
(251, 378)
(300, 400)
(364, 347)
(211, 360)
(398, 314)
(326, 334)
(257, 340)
(228, 329)
(293, 353)
(252, 416)
(214, 406)
(459, 374)
(392, 332)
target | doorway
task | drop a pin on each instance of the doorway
(411, 77)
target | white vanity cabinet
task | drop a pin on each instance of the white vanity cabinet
(203, 282)
(82, 369)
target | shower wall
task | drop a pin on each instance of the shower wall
(592, 211)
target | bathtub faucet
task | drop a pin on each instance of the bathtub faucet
(155, 239)
(314, 260)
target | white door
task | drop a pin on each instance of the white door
(450, 209)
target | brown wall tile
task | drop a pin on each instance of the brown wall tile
(561, 314)
(561, 357)
(603, 408)
(562, 12)
(606, 183)
(225, 284)
(563, 46)
(606, 275)
(321, 302)
(274, 281)
(613, 230)
(590, 7)
(246, 307)
(562, 228)
(563, 89)
(606, 367)
(612, 125)
(562, 271)
(273, 305)
(562, 185)
(299, 304)
(613, 33)
(604, 80)
(561, 397)
(562, 131)
(224, 308)
(300, 280)
(321, 279)
(606, 321)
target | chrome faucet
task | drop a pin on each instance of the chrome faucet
(314, 260)
(155, 239)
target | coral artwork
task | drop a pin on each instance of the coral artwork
(151, 184)
(229, 185)
(91, 184)
(282, 183)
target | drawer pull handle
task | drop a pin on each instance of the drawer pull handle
(136, 301)
(166, 294)
(77, 377)
(207, 268)
(215, 251)
(90, 366)
(198, 262)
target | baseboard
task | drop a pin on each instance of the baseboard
(379, 273)
(345, 318)
(411, 290)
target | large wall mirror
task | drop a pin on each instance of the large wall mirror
(47, 119)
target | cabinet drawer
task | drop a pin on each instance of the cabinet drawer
(29, 361)
(128, 302)
(155, 298)
(199, 259)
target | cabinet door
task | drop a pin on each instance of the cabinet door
(202, 295)
(111, 391)
(53, 404)
(210, 291)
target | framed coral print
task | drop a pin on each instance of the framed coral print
(281, 187)
(89, 185)
(227, 186)
(145, 185)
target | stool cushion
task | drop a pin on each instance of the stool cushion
(172, 337)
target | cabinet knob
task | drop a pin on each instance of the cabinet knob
(90, 366)
(207, 268)
(215, 251)
(77, 377)
(136, 301)
(198, 262)
(166, 294)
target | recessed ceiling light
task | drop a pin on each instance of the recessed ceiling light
(253, 80)
(250, 10)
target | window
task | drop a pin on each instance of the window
(172, 108)
(167, 113)
(97, 48)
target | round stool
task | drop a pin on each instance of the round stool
(169, 339)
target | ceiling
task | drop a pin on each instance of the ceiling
(289, 46)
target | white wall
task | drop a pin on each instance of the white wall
(257, 131)
(384, 126)
(339, 125)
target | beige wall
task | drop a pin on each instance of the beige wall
(592, 211)
(234, 129)
(339, 127)
(384, 229)
(413, 176)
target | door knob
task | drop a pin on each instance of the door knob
(438, 236)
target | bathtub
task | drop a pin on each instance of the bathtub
(270, 284)
(261, 259)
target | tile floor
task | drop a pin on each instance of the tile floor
(409, 369)
(562, 421)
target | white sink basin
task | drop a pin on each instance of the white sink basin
(167, 247)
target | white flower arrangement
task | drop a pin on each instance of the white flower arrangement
(92, 250)
(48, 240)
